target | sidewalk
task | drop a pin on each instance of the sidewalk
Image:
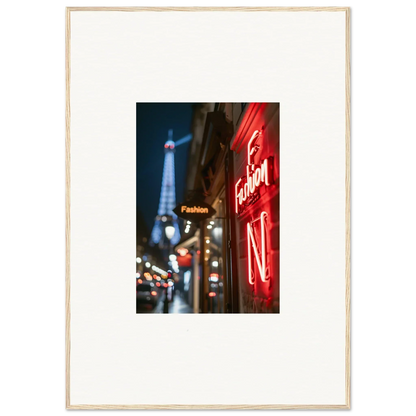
(179, 306)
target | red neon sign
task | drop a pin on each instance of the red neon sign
(247, 188)
(260, 252)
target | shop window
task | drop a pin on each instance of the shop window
(214, 257)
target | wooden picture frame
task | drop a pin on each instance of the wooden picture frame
(70, 281)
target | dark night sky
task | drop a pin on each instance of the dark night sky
(153, 121)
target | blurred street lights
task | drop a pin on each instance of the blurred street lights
(170, 232)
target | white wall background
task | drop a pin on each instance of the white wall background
(299, 355)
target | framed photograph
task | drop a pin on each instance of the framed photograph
(209, 149)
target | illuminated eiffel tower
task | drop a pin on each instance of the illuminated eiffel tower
(165, 215)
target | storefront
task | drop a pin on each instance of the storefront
(235, 253)
(255, 202)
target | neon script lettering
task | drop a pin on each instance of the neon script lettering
(197, 210)
(247, 188)
(259, 252)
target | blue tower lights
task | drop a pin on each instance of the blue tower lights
(165, 232)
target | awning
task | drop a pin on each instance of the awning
(188, 242)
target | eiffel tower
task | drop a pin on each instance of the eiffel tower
(165, 215)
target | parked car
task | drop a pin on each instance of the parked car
(147, 293)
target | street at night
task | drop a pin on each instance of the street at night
(178, 305)
(207, 208)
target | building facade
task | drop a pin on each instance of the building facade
(234, 167)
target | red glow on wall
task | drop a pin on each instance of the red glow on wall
(260, 251)
(212, 294)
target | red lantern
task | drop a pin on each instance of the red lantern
(185, 261)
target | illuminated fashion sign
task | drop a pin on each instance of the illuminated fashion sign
(259, 250)
(198, 209)
(194, 211)
(247, 188)
(247, 191)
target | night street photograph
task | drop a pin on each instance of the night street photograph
(207, 208)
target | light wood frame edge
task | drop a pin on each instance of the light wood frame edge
(205, 407)
(67, 207)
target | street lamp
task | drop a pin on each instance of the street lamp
(170, 232)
